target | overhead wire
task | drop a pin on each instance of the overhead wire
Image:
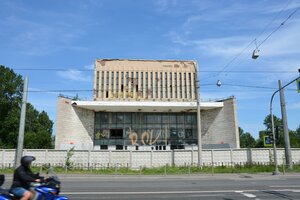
(203, 71)
(254, 40)
(147, 89)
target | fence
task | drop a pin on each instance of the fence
(137, 159)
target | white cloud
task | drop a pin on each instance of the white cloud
(74, 75)
(294, 106)
(165, 5)
(90, 67)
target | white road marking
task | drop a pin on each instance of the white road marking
(239, 191)
(284, 186)
(165, 192)
(249, 195)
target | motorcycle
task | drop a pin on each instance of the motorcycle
(47, 190)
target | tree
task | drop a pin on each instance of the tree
(10, 97)
(279, 135)
(246, 139)
(38, 126)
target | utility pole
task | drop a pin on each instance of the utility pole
(272, 119)
(198, 116)
(288, 155)
(19, 149)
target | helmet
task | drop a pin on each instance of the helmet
(26, 160)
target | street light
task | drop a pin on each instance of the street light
(273, 129)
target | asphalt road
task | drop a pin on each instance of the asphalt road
(217, 187)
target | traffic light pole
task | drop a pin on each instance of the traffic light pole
(273, 131)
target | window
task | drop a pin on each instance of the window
(190, 83)
(166, 85)
(117, 82)
(175, 84)
(180, 86)
(161, 85)
(116, 133)
(151, 84)
(171, 86)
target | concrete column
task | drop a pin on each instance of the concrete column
(159, 85)
(173, 85)
(104, 85)
(183, 85)
(231, 157)
(144, 84)
(115, 85)
(193, 86)
(130, 158)
(100, 93)
(3, 156)
(153, 85)
(187, 85)
(168, 85)
(130, 78)
(124, 85)
(89, 158)
(120, 84)
(178, 86)
(149, 85)
(139, 85)
(46, 156)
(212, 158)
(164, 85)
(151, 158)
(109, 85)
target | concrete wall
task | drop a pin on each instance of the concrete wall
(74, 126)
(165, 70)
(136, 159)
(220, 125)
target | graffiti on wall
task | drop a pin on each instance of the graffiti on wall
(149, 136)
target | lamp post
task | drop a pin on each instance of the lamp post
(198, 116)
(272, 121)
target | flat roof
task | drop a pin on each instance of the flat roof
(145, 106)
(150, 60)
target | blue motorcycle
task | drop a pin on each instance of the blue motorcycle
(48, 190)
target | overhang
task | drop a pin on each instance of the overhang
(145, 106)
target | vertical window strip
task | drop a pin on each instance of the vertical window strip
(166, 85)
(102, 83)
(180, 86)
(161, 85)
(97, 87)
(171, 85)
(175, 84)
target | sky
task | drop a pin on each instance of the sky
(220, 35)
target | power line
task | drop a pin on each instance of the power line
(281, 24)
(254, 40)
(203, 71)
(148, 89)
(53, 69)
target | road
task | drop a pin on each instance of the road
(217, 187)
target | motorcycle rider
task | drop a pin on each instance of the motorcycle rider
(23, 176)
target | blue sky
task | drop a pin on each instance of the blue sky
(71, 34)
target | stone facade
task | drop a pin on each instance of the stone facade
(219, 126)
(74, 126)
(149, 82)
(160, 80)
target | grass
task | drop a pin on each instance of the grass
(167, 170)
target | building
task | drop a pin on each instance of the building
(145, 105)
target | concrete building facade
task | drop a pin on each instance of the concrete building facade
(145, 105)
